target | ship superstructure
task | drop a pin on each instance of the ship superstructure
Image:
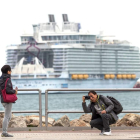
(73, 57)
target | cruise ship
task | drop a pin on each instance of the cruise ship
(71, 58)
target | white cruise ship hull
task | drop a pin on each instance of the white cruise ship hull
(58, 83)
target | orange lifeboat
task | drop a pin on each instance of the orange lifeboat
(128, 76)
(85, 76)
(119, 76)
(124, 76)
(74, 76)
(112, 76)
(107, 76)
(80, 76)
(133, 76)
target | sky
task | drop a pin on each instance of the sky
(115, 17)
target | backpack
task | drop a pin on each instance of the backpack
(117, 105)
(8, 98)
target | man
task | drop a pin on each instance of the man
(6, 73)
(102, 112)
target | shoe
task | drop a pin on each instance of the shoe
(6, 135)
(107, 133)
(102, 133)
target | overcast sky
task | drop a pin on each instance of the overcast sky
(115, 17)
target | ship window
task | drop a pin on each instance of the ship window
(43, 38)
(14, 76)
(75, 37)
(59, 37)
(41, 76)
(87, 37)
(53, 37)
(27, 76)
(69, 37)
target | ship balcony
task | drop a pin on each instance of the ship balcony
(58, 63)
(28, 76)
(58, 56)
(82, 53)
(78, 56)
(11, 54)
(10, 62)
(59, 59)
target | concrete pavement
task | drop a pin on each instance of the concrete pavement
(73, 135)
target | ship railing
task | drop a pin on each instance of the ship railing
(80, 111)
(39, 111)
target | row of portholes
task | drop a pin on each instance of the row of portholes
(120, 76)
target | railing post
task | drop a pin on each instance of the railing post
(40, 108)
(46, 108)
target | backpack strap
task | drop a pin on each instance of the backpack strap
(6, 82)
(101, 97)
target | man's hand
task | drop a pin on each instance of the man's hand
(103, 112)
(16, 92)
(83, 98)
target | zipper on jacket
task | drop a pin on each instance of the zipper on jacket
(103, 107)
(100, 105)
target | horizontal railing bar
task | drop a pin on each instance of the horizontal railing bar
(131, 111)
(124, 111)
(103, 89)
(28, 111)
(65, 111)
(28, 89)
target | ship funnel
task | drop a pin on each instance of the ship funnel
(51, 18)
(65, 17)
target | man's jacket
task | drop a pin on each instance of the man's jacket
(102, 103)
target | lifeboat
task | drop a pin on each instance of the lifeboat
(119, 76)
(112, 76)
(74, 76)
(128, 76)
(124, 76)
(80, 76)
(107, 76)
(133, 76)
(85, 76)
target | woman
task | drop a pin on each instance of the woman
(6, 73)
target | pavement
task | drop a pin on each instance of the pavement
(73, 135)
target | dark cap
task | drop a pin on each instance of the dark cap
(5, 69)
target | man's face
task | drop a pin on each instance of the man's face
(93, 97)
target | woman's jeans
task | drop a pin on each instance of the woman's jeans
(7, 116)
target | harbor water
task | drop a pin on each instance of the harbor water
(71, 102)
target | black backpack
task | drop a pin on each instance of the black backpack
(117, 105)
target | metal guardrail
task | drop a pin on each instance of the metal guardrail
(125, 111)
(32, 111)
(46, 105)
(46, 101)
